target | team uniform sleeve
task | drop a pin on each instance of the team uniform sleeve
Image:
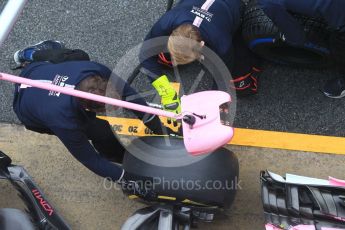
(149, 50)
(79, 146)
(278, 13)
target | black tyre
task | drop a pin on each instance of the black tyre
(260, 32)
(15, 219)
(211, 181)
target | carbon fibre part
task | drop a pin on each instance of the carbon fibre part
(287, 204)
(41, 212)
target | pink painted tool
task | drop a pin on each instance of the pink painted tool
(336, 182)
(205, 134)
(202, 128)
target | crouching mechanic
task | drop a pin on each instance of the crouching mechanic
(211, 23)
(332, 11)
(71, 119)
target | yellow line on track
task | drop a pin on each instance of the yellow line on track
(289, 141)
(250, 137)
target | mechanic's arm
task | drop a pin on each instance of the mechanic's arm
(155, 43)
(153, 70)
(151, 121)
(131, 95)
(79, 146)
(276, 10)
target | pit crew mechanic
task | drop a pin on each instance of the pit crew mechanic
(332, 11)
(214, 23)
(71, 119)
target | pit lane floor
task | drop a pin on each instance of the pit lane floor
(288, 101)
(81, 198)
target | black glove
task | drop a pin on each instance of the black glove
(157, 127)
(137, 185)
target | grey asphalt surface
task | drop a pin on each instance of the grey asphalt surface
(288, 99)
(104, 29)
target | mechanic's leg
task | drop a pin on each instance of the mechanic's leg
(48, 50)
(104, 140)
(60, 55)
(39, 130)
(247, 67)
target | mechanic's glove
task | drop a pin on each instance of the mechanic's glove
(157, 127)
(169, 98)
(247, 84)
(137, 185)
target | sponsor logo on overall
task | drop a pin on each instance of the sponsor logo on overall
(44, 204)
(202, 13)
(60, 81)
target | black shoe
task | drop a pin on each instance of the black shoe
(248, 84)
(334, 88)
(25, 55)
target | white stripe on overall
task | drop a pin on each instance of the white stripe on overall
(198, 20)
(23, 86)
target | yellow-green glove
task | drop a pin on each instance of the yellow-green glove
(169, 98)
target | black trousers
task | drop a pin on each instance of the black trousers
(98, 131)
(60, 55)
